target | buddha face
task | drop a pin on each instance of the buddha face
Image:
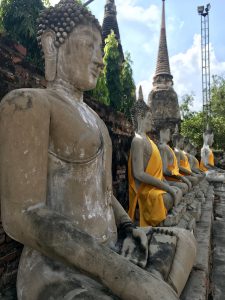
(165, 135)
(146, 123)
(80, 58)
(180, 142)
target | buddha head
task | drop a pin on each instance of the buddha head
(165, 134)
(186, 145)
(208, 137)
(193, 150)
(70, 38)
(177, 139)
(141, 115)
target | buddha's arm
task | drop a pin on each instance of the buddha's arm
(137, 150)
(24, 134)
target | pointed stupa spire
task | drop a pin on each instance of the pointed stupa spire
(110, 23)
(163, 65)
(140, 93)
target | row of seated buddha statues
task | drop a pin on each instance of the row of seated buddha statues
(56, 184)
(160, 177)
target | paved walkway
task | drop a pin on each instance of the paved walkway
(218, 271)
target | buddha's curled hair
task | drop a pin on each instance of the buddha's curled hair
(63, 18)
(138, 112)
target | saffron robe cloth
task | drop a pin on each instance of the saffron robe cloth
(197, 164)
(173, 168)
(149, 198)
(211, 162)
(185, 163)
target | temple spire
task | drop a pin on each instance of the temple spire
(110, 23)
(140, 93)
(163, 65)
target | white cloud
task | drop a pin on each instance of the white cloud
(186, 70)
(129, 10)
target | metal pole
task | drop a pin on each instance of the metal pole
(88, 2)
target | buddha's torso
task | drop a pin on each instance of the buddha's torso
(170, 157)
(77, 173)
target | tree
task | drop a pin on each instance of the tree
(112, 69)
(101, 92)
(18, 18)
(185, 107)
(192, 125)
(128, 86)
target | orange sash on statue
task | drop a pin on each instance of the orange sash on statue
(185, 163)
(173, 168)
(149, 198)
(211, 162)
(197, 165)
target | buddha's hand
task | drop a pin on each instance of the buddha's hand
(135, 246)
(176, 194)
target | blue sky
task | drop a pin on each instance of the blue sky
(139, 23)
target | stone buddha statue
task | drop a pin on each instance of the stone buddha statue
(182, 159)
(194, 163)
(147, 187)
(207, 163)
(56, 184)
(191, 160)
(170, 165)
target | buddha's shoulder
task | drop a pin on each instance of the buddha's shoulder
(25, 99)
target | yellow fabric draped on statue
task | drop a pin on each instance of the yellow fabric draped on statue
(211, 162)
(173, 168)
(149, 198)
(184, 163)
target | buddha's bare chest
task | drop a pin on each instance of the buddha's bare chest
(75, 133)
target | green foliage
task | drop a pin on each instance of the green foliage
(112, 71)
(192, 125)
(18, 18)
(128, 86)
(46, 3)
(187, 102)
(101, 91)
(116, 86)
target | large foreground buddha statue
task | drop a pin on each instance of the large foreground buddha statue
(56, 185)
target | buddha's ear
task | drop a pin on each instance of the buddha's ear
(50, 53)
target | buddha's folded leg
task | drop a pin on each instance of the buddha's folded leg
(172, 253)
(41, 278)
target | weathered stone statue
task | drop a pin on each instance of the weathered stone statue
(56, 185)
(194, 163)
(182, 159)
(147, 187)
(170, 165)
(187, 150)
(207, 159)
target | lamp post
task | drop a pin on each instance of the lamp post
(205, 51)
